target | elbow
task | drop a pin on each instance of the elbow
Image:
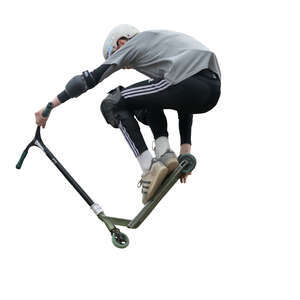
(76, 86)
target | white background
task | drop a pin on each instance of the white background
(232, 232)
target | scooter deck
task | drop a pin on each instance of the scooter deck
(161, 192)
(147, 209)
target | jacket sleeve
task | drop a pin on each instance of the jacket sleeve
(79, 84)
(126, 56)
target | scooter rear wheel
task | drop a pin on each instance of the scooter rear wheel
(120, 240)
(191, 162)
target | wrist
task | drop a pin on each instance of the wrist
(185, 148)
(55, 102)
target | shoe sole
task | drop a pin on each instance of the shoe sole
(159, 179)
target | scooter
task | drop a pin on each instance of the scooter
(187, 163)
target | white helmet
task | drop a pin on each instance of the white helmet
(110, 44)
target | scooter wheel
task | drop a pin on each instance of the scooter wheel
(120, 240)
(191, 162)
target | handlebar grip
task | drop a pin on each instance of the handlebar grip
(47, 110)
(20, 162)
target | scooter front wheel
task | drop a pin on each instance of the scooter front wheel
(120, 240)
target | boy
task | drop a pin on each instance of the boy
(184, 76)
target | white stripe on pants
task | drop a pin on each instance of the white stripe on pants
(145, 90)
(129, 140)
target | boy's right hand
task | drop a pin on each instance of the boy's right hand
(185, 148)
(39, 119)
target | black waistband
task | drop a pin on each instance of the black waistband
(209, 74)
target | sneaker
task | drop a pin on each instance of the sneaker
(152, 179)
(169, 159)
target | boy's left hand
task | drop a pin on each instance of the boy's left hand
(184, 177)
(185, 148)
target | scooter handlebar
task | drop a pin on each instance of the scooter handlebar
(47, 110)
(45, 114)
(20, 162)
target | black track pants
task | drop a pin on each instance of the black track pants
(196, 94)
